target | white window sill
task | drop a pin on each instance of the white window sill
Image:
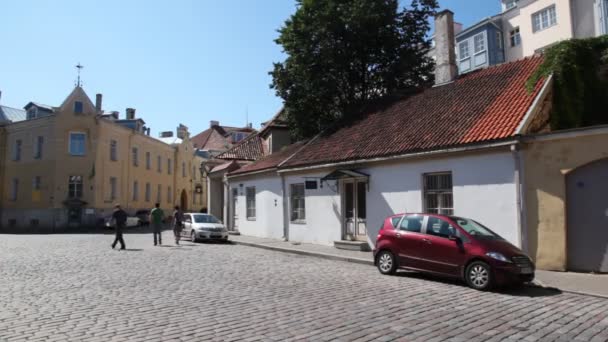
(251, 219)
(298, 222)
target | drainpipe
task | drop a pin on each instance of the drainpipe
(285, 213)
(520, 197)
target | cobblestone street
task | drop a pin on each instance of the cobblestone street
(75, 288)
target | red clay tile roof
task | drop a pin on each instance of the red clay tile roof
(271, 161)
(250, 148)
(216, 137)
(481, 106)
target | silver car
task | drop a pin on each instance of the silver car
(201, 227)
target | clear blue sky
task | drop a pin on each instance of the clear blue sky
(181, 61)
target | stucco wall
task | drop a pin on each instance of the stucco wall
(268, 202)
(546, 164)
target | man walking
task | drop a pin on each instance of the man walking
(177, 224)
(120, 220)
(157, 216)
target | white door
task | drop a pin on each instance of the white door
(355, 210)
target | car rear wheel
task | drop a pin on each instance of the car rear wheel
(386, 262)
(193, 236)
(478, 275)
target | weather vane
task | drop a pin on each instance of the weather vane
(79, 67)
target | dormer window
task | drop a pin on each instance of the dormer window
(32, 112)
(78, 108)
(510, 4)
(238, 136)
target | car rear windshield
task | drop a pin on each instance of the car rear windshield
(476, 229)
(202, 218)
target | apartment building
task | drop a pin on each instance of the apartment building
(68, 166)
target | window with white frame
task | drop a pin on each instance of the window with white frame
(544, 18)
(113, 188)
(479, 48)
(75, 186)
(250, 202)
(464, 55)
(499, 39)
(148, 191)
(135, 191)
(14, 189)
(17, 150)
(297, 203)
(438, 198)
(148, 161)
(510, 4)
(38, 147)
(77, 143)
(36, 181)
(515, 37)
(135, 156)
(113, 150)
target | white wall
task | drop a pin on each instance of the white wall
(269, 211)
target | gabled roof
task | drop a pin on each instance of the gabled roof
(271, 161)
(250, 148)
(40, 106)
(481, 106)
(215, 137)
(9, 114)
(279, 120)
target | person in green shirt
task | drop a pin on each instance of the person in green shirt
(156, 217)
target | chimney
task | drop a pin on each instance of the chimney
(445, 65)
(98, 103)
(148, 131)
(130, 113)
(181, 131)
(166, 134)
(213, 123)
(115, 115)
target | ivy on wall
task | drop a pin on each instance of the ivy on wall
(580, 85)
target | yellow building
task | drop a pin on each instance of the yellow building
(68, 166)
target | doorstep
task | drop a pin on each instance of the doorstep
(361, 246)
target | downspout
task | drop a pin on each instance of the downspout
(285, 212)
(522, 229)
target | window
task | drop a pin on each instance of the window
(412, 224)
(78, 107)
(479, 42)
(158, 194)
(38, 147)
(113, 148)
(238, 136)
(148, 161)
(148, 190)
(14, 189)
(395, 220)
(515, 37)
(250, 201)
(31, 113)
(169, 166)
(135, 156)
(113, 182)
(17, 150)
(510, 4)
(184, 169)
(439, 227)
(438, 193)
(158, 164)
(463, 48)
(77, 144)
(36, 183)
(169, 194)
(499, 39)
(298, 206)
(75, 186)
(544, 18)
(135, 191)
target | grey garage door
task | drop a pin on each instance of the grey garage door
(587, 217)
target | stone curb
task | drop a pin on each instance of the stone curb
(307, 253)
(539, 283)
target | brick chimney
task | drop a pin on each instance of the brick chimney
(213, 123)
(98, 98)
(130, 113)
(445, 65)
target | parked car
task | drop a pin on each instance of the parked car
(132, 221)
(199, 227)
(143, 216)
(451, 246)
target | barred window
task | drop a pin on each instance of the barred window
(298, 205)
(250, 200)
(438, 193)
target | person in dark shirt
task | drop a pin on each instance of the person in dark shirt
(120, 220)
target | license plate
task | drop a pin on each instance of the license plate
(215, 236)
(526, 270)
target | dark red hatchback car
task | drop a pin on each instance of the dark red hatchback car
(451, 246)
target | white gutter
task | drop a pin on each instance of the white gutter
(245, 174)
(518, 179)
(406, 156)
(285, 210)
(529, 114)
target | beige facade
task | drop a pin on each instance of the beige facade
(548, 160)
(70, 183)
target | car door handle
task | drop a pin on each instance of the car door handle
(427, 241)
(398, 235)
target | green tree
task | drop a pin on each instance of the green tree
(343, 53)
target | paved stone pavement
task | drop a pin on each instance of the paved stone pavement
(75, 288)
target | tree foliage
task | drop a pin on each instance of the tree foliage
(580, 91)
(344, 53)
